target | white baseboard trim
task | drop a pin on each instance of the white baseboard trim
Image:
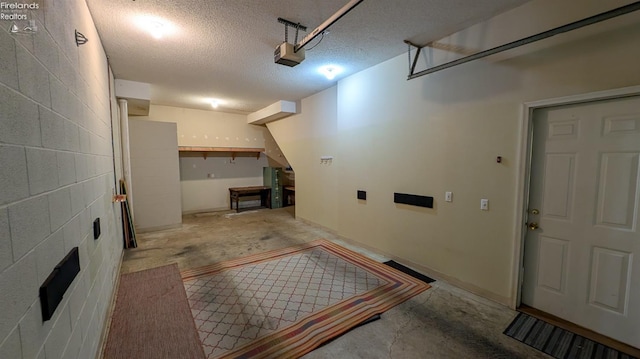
(319, 226)
(205, 210)
(160, 228)
(430, 272)
(505, 301)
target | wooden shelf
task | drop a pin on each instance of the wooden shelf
(232, 150)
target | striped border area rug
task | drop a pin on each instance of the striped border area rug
(557, 342)
(285, 303)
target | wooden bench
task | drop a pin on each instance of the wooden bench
(263, 191)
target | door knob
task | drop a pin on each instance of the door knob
(533, 226)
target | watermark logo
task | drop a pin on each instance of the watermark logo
(21, 14)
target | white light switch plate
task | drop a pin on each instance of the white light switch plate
(484, 204)
(448, 197)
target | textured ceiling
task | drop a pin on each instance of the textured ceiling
(224, 48)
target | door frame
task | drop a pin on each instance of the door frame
(524, 172)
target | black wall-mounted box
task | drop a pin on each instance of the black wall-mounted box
(96, 228)
(413, 200)
(57, 283)
(362, 195)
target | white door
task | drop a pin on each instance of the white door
(582, 263)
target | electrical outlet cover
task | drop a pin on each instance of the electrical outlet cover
(448, 196)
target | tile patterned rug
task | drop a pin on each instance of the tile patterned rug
(285, 303)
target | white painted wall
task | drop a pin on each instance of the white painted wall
(56, 177)
(217, 129)
(155, 174)
(209, 128)
(304, 138)
(442, 132)
(200, 192)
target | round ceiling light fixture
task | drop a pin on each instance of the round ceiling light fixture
(330, 71)
(215, 103)
(155, 26)
(156, 29)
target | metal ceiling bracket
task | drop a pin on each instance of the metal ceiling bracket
(415, 59)
(294, 25)
(623, 10)
(325, 25)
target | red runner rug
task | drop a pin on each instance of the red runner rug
(151, 318)
(285, 303)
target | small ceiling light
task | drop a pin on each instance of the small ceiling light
(215, 103)
(157, 27)
(330, 71)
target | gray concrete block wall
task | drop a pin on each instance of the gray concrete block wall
(6, 255)
(11, 347)
(20, 123)
(14, 183)
(56, 177)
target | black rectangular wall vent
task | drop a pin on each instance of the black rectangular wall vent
(413, 200)
(57, 283)
(96, 228)
(362, 195)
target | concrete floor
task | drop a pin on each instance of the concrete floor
(442, 322)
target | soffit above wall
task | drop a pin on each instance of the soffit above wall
(137, 94)
(273, 112)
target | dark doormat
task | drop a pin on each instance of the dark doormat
(409, 271)
(557, 342)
